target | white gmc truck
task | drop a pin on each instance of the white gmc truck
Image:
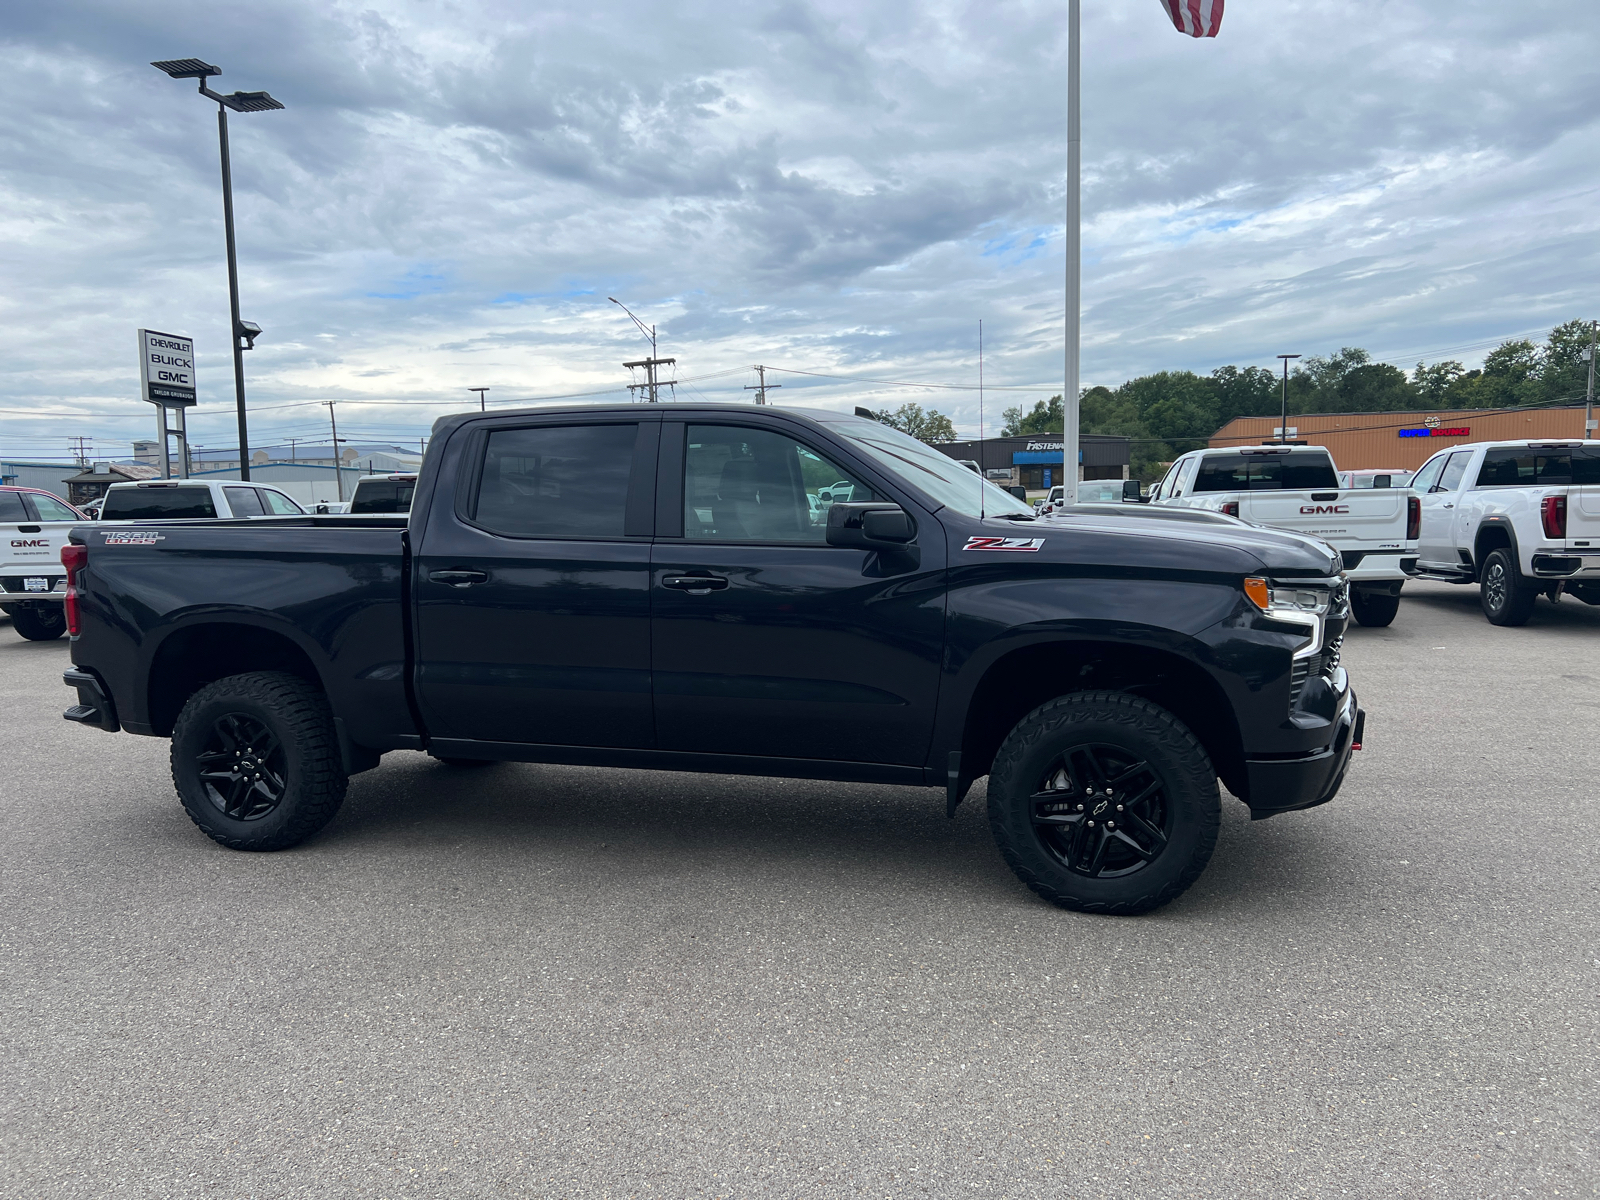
(1519, 519)
(1296, 488)
(33, 583)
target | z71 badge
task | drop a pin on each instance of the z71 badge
(1015, 545)
(135, 537)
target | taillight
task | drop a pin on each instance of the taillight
(1231, 508)
(74, 558)
(1553, 511)
(1413, 518)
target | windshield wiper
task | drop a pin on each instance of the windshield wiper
(1014, 516)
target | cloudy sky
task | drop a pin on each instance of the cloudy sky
(841, 188)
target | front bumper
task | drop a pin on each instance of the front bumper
(1289, 783)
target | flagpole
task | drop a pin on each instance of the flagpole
(1074, 252)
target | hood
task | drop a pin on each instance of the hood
(1128, 535)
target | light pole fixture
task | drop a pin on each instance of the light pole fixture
(483, 405)
(650, 364)
(244, 333)
(1283, 429)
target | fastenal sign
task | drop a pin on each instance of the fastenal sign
(166, 368)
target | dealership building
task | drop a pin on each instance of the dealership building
(1404, 440)
(1034, 461)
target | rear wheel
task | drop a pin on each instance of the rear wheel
(1104, 802)
(39, 624)
(1374, 609)
(256, 760)
(1506, 598)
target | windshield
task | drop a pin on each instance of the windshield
(939, 475)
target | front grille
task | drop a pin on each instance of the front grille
(1323, 663)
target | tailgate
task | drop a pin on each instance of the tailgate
(33, 552)
(1361, 518)
(1583, 514)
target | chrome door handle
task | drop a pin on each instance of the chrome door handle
(1447, 506)
(695, 585)
(459, 578)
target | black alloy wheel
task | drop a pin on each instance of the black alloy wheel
(242, 767)
(1104, 802)
(1101, 813)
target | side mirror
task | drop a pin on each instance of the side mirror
(879, 525)
(1131, 491)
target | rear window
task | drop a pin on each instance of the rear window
(158, 504)
(387, 496)
(1265, 473)
(1513, 466)
(556, 481)
(11, 507)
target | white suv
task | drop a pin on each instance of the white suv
(194, 499)
(1519, 519)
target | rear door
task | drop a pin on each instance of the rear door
(768, 641)
(532, 586)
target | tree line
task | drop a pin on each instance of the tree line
(1171, 412)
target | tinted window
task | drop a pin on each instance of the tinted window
(157, 504)
(11, 507)
(749, 485)
(1424, 479)
(1513, 466)
(245, 502)
(280, 505)
(1454, 470)
(385, 496)
(51, 509)
(556, 481)
(1266, 473)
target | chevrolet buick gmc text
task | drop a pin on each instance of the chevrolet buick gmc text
(663, 588)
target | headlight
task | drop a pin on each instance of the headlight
(1301, 605)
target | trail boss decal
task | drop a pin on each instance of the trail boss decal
(1015, 545)
(135, 537)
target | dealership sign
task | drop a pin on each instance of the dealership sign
(166, 368)
(1439, 431)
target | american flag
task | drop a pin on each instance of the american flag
(1197, 18)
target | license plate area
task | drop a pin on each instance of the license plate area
(35, 584)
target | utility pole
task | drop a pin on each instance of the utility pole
(1074, 250)
(292, 457)
(78, 451)
(1588, 404)
(651, 383)
(1283, 429)
(483, 405)
(338, 470)
(761, 389)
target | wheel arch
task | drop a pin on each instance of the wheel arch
(1494, 533)
(1027, 676)
(202, 651)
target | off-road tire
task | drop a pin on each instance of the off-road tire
(40, 624)
(1374, 609)
(1147, 732)
(1506, 597)
(296, 713)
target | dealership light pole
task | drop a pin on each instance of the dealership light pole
(1074, 251)
(1283, 429)
(244, 332)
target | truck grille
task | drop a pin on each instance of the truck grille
(1322, 663)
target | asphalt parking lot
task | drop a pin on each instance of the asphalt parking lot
(553, 981)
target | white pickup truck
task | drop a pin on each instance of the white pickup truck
(194, 499)
(1296, 488)
(1519, 519)
(33, 582)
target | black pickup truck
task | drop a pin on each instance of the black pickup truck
(663, 587)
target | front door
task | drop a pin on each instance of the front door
(533, 588)
(1437, 540)
(768, 641)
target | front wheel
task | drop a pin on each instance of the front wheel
(39, 624)
(1506, 599)
(1104, 802)
(256, 760)
(1374, 609)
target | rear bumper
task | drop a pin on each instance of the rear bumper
(1378, 566)
(1566, 564)
(1279, 785)
(94, 706)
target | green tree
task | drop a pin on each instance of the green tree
(1564, 364)
(931, 426)
(1434, 384)
(1042, 418)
